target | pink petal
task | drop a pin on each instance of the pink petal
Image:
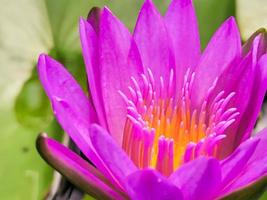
(89, 42)
(57, 81)
(181, 23)
(77, 170)
(78, 130)
(255, 167)
(70, 105)
(199, 179)
(262, 48)
(260, 150)
(251, 174)
(94, 18)
(114, 158)
(245, 80)
(222, 50)
(153, 41)
(119, 60)
(232, 165)
(236, 78)
(148, 184)
(255, 102)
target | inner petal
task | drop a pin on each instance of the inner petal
(163, 131)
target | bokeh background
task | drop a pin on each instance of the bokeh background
(29, 27)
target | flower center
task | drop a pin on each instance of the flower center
(163, 131)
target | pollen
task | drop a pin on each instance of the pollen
(163, 130)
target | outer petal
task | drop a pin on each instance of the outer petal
(148, 184)
(237, 78)
(251, 191)
(251, 174)
(181, 23)
(245, 79)
(89, 42)
(116, 160)
(70, 105)
(263, 43)
(78, 129)
(153, 42)
(232, 165)
(199, 179)
(255, 167)
(119, 60)
(94, 18)
(261, 147)
(58, 82)
(258, 49)
(259, 89)
(222, 50)
(77, 170)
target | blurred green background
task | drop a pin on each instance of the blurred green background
(29, 27)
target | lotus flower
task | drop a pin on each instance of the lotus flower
(163, 119)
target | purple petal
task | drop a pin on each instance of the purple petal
(181, 23)
(94, 18)
(261, 46)
(199, 179)
(258, 91)
(78, 130)
(245, 80)
(248, 192)
(70, 105)
(237, 78)
(261, 147)
(222, 50)
(232, 165)
(77, 170)
(148, 184)
(263, 42)
(250, 175)
(255, 167)
(58, 82)
(114, 158)
(89, 43)
(119, 60)
(153, 42)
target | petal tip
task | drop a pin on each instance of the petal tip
(94, 130)
(106, 10)
(149, 3)
(81, 20)
(94, 12)
(231, 21)
(41, 59)
(41, 144)
(182, 3)
(82, 26)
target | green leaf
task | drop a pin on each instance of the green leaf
(32, 106)
(24, 32)
(25, 175)
(64, 17)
